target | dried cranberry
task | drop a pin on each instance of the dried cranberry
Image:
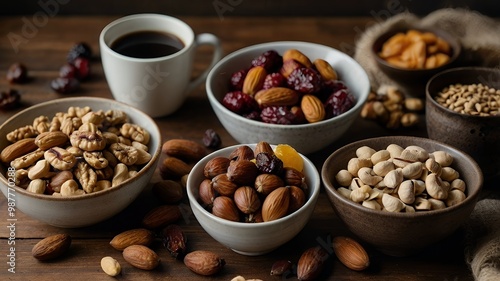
(239, 103)
(9, 100)
(268, 163)
(237, 79)
(279, 115)
(68, 71)
(65, 85)
(254, 115)
(329, 87)
(270, 60)
(17, 73)
(305, 80)
(79, 50)
(82, 66)
(274, 80)
(211, 139)
(338, 103)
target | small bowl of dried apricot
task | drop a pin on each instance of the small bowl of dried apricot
(402, 194)
(411, 56)
(253, 198)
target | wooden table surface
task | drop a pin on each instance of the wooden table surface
(41, 43)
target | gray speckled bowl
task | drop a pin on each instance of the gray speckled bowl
(401, 234)
(479, 136)
(305, 138)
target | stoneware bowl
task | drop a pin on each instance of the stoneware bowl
(479, 136)
(305, 138)
(401, 234)
(252, 238)
(414, 80)
(87, 209)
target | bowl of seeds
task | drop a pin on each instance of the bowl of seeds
(463, 110)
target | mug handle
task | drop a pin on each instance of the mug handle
(206, 39)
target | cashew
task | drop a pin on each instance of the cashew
(120, 175)
(436, 204)
(406, 192)
(394, 178)
(433, 166)
(372, 204)
(368, 176)
(40, 170)
(422, 204)
(70, 188)
(443, 158)
(455, 197)
(365, 152)
(391, 203)
(449, 174)
(458, 184)
(344, 192)
(343, 177)
(36, 186)
(435, 187)
(394, 150)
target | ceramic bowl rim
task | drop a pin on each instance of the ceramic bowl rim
(379, 40)
(77, 100)
(315, 190)
(363, 95)
(325, 174)
(430, 96)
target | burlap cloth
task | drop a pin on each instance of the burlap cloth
(480, 39)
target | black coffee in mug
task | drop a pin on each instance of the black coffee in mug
(147, 44)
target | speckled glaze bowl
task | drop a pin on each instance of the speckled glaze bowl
(252, 239)
(305, 138)
(401, 234)
(414, 80)
(87, 209)
(479, 136)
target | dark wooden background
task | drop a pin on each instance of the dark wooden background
(378, 9)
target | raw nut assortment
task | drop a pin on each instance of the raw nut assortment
(254, 185)
(288, 89)
(390, 108)
(470, 99)
(416, 49)
(76, 152)
(398, 179)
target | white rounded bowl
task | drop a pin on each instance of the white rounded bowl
(88, 209)
(305, 138)
(252, 238)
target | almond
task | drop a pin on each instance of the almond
(174, 168)
(297, 56)
(276, 204)
(277, 96)
(161, 216)
(51, 247)
(17, 149)
(141, 257)
(204, 262)
(325, 70)
(254, 80)
(311, 263)
(47, 140)
(350, 253)
(168, 191)
(313, 108)
(138, 236)
(184, 149)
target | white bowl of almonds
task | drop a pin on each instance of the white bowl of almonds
(74, 162)
(246, 200)
(401, 194)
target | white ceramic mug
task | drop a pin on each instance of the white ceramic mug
(157, 86)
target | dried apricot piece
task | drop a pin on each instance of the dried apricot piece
(290, 157)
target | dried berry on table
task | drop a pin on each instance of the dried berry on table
(211, 139)
(65, 85)
(81, 49)
(17, 73)
(9, 99)
(174, 240)
(82, 66)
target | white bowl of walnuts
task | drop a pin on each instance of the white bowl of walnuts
(74, 162)
(249, 202)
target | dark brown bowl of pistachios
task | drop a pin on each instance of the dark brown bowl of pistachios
(463, 110)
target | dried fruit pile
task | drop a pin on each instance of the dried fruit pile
(254, 185)
(288, 89)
